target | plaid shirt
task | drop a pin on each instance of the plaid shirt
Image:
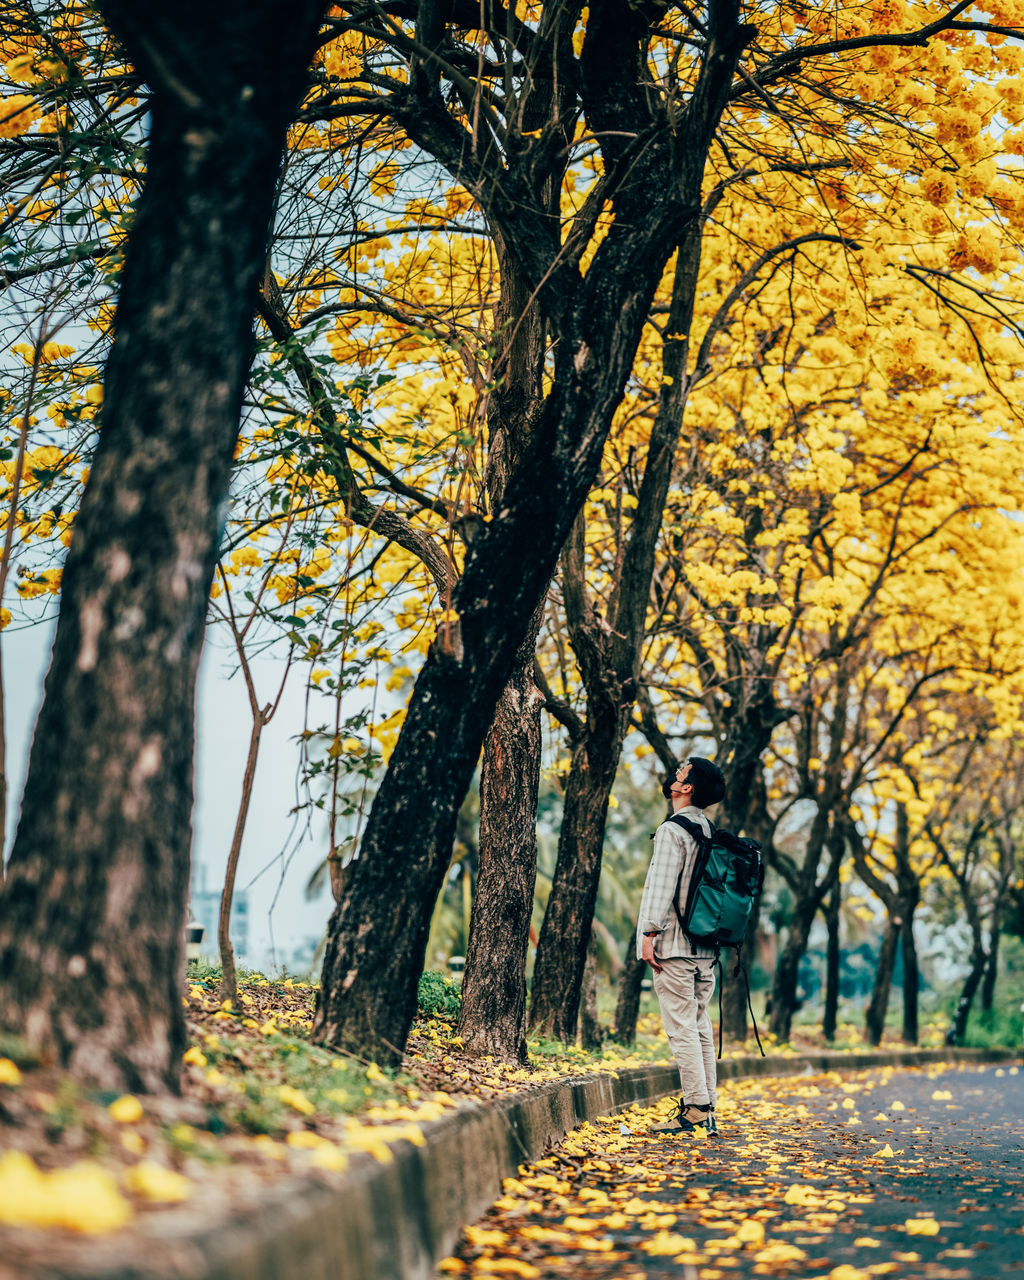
(673, 848)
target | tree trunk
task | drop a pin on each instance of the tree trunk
(91, 921)
(492, 1019)
(228, 981)
(627, 1007)
(608, 651)
(809, 893)
(591, 1035)
(900, 905)
(744, 810)
(565, 932)
(988, 982)
(830, 1018)
(874, 1018)
(958, 1027)
(911, 980)
(784, 984)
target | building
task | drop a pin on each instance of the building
(205, 906)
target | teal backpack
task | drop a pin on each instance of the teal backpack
(726, 880)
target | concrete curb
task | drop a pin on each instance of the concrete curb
(396, 1221)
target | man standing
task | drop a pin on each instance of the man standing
(684, 975)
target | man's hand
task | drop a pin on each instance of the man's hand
(647, 951)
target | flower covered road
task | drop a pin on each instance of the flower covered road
(844, 1175)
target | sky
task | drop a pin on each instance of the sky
(281, 920)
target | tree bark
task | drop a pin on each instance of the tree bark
(565, 932)
(228, 979)
(91, 920)
(911, 980)
(958, 1027)
(744, 810)
(627, 1006)
(830, 1017)
(828, 828)
(492, 1017)
(900, 903)
(988, 983)
(591, 1035)
(784, 984)
(874, 1017)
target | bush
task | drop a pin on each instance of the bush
(998, 1028)
(438, 995)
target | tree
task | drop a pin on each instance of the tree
(651, 187)
(900, 901)
(92, 915)
(827, 199)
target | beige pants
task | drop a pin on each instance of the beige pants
(684, 988)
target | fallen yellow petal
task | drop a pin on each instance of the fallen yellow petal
(296, 1100)
(126, 1109)
(750, 1232)
(922, 1227)
(154, 1182)
(481, 1238)
(328, 1156)
(506, 1267)
(9, 1073)
(776, 1253)
(665, 1243)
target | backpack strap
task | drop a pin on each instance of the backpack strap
(694, 828)
(740, 971)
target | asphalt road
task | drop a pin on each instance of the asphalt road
(844, 1175)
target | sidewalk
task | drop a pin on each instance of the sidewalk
(394, 1221)
(909, 1172)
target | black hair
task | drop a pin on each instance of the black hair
(706, 779)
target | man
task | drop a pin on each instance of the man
(684, 975)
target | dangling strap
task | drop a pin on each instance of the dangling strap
(746, 983)
(721, 979)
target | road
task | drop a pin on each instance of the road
(844, 1175)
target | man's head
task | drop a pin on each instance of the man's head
(702, 780)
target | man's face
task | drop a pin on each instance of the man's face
(681, 786)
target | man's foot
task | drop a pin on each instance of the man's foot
(712, 1124)
(687, 1119)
